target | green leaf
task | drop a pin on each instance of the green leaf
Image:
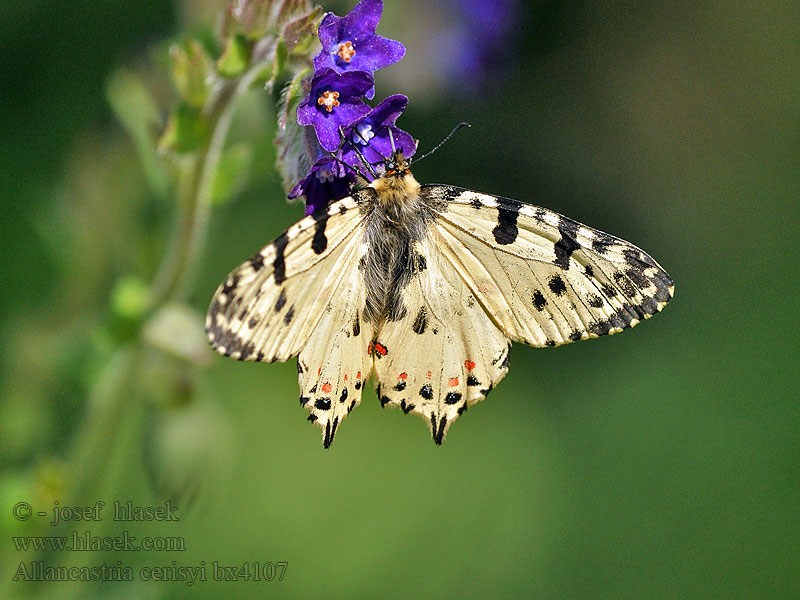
(231, 174)
(187, 130)
(139, 115)
(235, 58)
(191, 70)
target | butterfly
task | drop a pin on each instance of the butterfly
(423, 288)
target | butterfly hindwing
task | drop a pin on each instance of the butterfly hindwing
(334, 364)
(445, 354)
(545, 279)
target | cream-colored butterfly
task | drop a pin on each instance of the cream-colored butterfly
(424, 288)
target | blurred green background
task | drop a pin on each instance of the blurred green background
(661, 463)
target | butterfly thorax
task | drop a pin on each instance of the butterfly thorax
(398, 219)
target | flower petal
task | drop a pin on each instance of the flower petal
(327, 124)
(362, 21)
(374, 53)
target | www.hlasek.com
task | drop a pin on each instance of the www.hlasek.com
(247, 571)
(86, 542)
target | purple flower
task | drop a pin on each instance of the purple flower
(370, 135)
(335, 101)
(350, 43)
(327, 182)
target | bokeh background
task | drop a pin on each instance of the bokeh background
(660, 463)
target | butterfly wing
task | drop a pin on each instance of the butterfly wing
(500, 270)
(543, 278)
(446, 354)
(302, 294)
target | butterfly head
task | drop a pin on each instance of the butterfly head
(397, 186)
(397, 165)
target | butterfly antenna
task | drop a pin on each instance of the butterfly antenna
(440, 144)
(374, 149)
(360, 156)
(344, 164)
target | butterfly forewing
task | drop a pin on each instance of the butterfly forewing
(543, 278)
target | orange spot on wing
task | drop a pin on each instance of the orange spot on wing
(469, 365)
(345, 376)
(326, 387)
(453, 381)
(403, 376)
(428, 375)
(358, 375)
(380, 349)
(319, 370)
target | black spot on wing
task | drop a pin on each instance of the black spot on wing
(421, 321)
(356, 326)
(589, 271)
(400, 385)
(279, 264)
(638, 260)
(320, 241)
(539, 301)
(556, 285)
(407, 408)
(638, 278)
(452, 398)
(257, 262)
(649, 305)
(289, 315)
(323, 403)
(663, 282)
(330, 432)
(438, 431)
(601, 327)
(568, 242)
(281, 301)
(230, 285)
(624, 284)
(506, 230)
(575, 335)
(595, 301)
(602, 242)
(472, 381)
(343, 395)
(422, 264)
(476, 203)
(609, 290)
(426, 392)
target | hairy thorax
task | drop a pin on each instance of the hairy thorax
(397, 220)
